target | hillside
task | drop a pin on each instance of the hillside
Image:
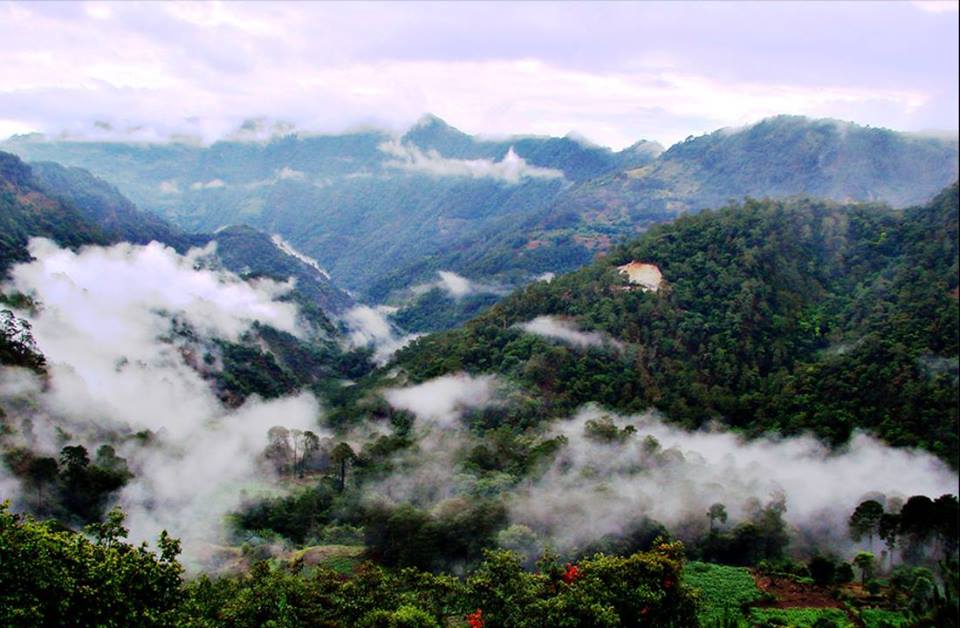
(26, 211)
(356, 202)
(785, 316)
(74, 208)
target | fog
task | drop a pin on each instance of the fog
(596, 487)
(427, 473)
(370, 328)
(127, 332)
(566, 331)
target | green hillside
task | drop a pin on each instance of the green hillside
(774, 315)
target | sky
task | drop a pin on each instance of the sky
(613, 73)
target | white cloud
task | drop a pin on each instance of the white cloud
(440, 401)
(937, 6)
(594, 488)
(288, 248)
(202, 71)
(566, 331)
(169, 187)
(212, 184)
(457, 286)
(289, 173)
(511, 169)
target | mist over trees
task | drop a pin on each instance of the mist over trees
(556, 459)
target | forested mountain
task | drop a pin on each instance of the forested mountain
(27, 211)
(773, 315)
(74, 208)
(384, 214)
(506, 473)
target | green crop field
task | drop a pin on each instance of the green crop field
(797, 617)
(723, 590)
(879, 618)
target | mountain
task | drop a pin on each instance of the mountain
(103, 205)
(782, 316)
(249, 252)
(26, 210)
(384, 214)
(363, 204)
(578, 159)
(75, 208)
(79, 208)
(778, 158)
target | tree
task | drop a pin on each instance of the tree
(717, 512)
(56, 577)
(341, 455)
(865, 520)
(823, 569)
(17, 345)
(308, 444)
(42, 471)
(889, 530)
(74, 459)
(946, 511)
(866, 563)
(278, 448)
(917, 524)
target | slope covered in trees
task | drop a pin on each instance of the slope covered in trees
(27, 211)
(783, 316)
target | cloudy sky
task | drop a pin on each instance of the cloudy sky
(613, 73)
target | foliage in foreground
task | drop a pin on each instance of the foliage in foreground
(53, 576)
(50, 576)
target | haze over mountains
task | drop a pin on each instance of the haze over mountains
(383, 214)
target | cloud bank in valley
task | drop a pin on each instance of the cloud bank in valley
(369, 327)
(125, 329)
(511, 169)
(595, 488)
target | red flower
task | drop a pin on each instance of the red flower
(572, 574)
(475, 619)
(667, 583)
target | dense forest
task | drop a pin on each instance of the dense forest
(586, 451)
(784, 316)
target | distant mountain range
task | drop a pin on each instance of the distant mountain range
(384, 214)
(74, 208)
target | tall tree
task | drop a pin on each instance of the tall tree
(865, 520)
(717, 512)
(341, 455)
(42, 471)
